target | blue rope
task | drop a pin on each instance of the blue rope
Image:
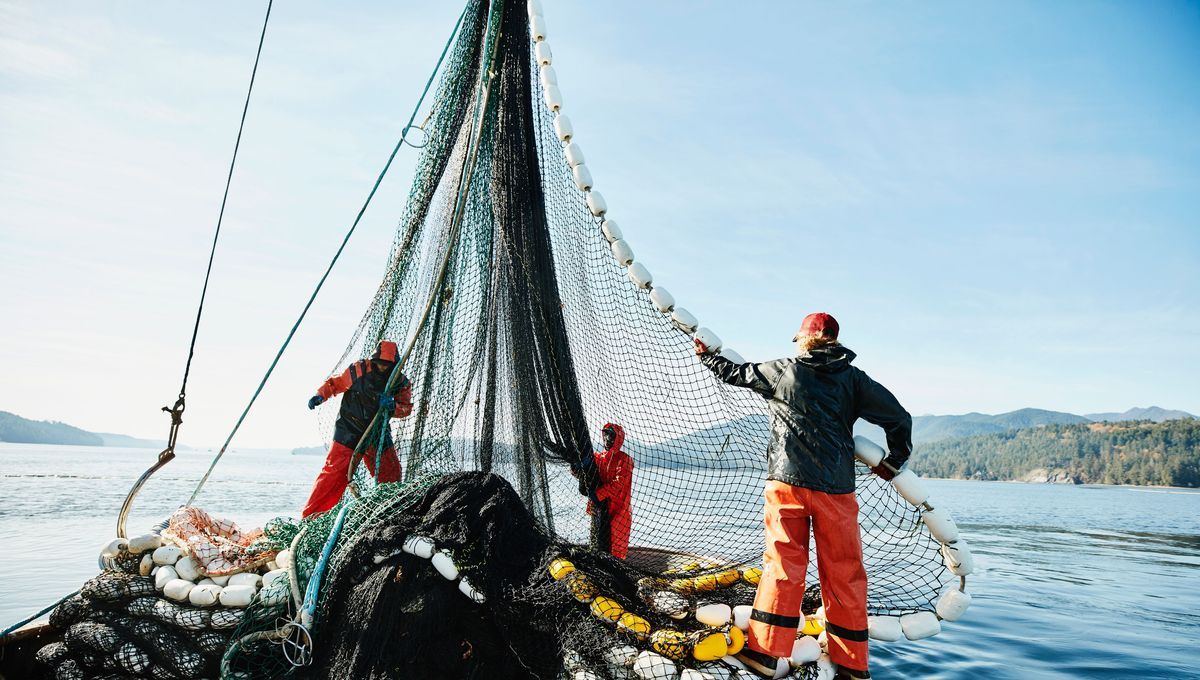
(313, 589)
(338, 254)
(36, 616)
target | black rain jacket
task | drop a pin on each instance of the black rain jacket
(814, 400)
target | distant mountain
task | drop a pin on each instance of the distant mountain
(935, 428)
(1138, 452)
(1154, 413)
(310, 450)
(14, 428)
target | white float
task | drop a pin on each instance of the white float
(693, 674)
(663, 301)
(271, 576)
(884, 628)
(867, 451)
(548, 76)
(178, 589)
(114, 547)
(716, 614)
(237, 596)
(731, 355)
(167, 555)
(652, 666)
(910, 486)
(534, 8)
(245, 578)
(958, 558)
(204, 595)
(710, 339)
(805, 650)
(585, 675)
(741, 616)
(953, 604)
(140, 544)
(574, 154)
(825, 668)
(284, 559)
(146, 565)
(596, 203)
(672, 604)
(164, 575)
(187, 568)
(823, 640)
(622, 252)
(782, 668)
(638, 273)
(620, 656)
(941, 525)
(274, 596)
(562, 127)
(223, 580)
(465, 587)
(537, 27)
(542, 52)
(611, 231)
(552, 96)
(583, 177)
(920, 625)
(419, 546)
(684, 320)
(444, 565)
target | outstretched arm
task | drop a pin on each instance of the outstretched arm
(879, 406)
(335, 385)
(749, 375)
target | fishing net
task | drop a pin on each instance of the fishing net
(522, 335)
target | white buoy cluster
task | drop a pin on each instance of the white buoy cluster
(179, 577)
(622, 252)
(956, 555)
(442, 562)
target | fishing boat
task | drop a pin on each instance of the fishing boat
(523, 321)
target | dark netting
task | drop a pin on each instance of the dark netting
(522, 336)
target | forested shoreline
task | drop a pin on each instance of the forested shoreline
(1135, 452)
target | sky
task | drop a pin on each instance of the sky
(999, 201)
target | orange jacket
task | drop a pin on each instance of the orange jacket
(614, 468)
(363, 383)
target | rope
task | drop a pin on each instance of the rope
(336, 255)
(37, 616)
(176, 411)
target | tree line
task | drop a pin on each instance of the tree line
(1134, 452)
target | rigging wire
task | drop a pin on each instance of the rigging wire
(176, 411)
(312, 298)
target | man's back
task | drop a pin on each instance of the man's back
(814, 400)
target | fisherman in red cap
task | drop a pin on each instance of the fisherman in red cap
(814, 399)
(614, 489)
(363, 386)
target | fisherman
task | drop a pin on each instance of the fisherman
(363, 384)
(614, 486)
(814, 399)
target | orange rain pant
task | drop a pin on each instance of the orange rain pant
(331, 481)
(776, 616)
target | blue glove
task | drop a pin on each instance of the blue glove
(315, 402)
(387, 402)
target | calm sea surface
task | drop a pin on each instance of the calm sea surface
(1070, 582)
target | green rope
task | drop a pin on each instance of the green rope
(38, 615)
(338, 254)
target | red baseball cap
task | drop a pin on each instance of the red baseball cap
(818, 323)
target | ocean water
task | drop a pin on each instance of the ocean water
(1070, 582)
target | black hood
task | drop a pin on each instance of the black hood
(828, 359)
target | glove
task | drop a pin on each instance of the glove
(886, 469)
(387, 402)
(316, 401)
(701, 348)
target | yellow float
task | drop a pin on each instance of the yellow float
(607, 608)
(581, 586)
(737, 640)
(634, 625)
(812, 626)
(670, 643)
(752, 575)
(560, 568)
(710, 647)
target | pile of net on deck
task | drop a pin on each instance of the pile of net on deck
(535, 337)
(166, 604)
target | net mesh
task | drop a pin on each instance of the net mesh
(523, 336)
(537, 337)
